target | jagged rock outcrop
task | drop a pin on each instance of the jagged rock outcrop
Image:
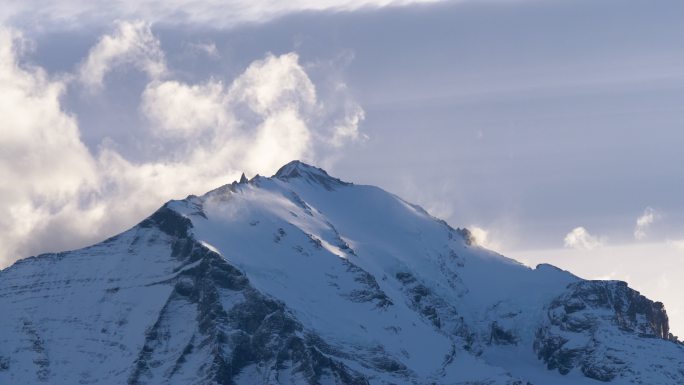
(587, 324)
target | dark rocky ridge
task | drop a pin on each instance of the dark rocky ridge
(256, 330)
(575, 312)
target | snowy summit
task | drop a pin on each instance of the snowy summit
(302, 278)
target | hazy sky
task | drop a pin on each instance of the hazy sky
(552, 128)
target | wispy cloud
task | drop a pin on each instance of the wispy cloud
(132, 43)
(677, 244)
(643, 223)
(613, 276)
(215, 13)
(208, 49)
(579, 238)
(484, 238)
(347, 128)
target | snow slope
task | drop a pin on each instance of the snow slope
(303, 278)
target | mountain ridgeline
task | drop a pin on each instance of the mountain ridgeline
(302, 278)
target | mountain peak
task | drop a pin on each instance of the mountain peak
(280, 282)
(297, 169)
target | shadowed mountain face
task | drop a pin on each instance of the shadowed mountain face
(302, 278)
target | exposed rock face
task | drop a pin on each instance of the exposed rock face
(240, 329)
(501, 336)
(243, 179)
(586, 324)
(211, 311)
(306, 279)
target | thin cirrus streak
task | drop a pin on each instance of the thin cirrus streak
(214, 12)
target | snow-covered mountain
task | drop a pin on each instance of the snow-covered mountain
(302, 278)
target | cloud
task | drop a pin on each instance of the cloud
(209, 132)
(273, 103)
(46, 170)
(216, 13)
(347, 128)
(613, 276)
(133, 44)
(677, 244)
(183, 110)
(208, 49)
(483, 238)
(579, 238)
(267, 116)
(274, 84)
(643, 223)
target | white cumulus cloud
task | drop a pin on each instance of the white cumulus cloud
(643, 223)
(579, 238)
(60, 194)
(274, 84)
(268, 115)
(184, 110)
(47, 172)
